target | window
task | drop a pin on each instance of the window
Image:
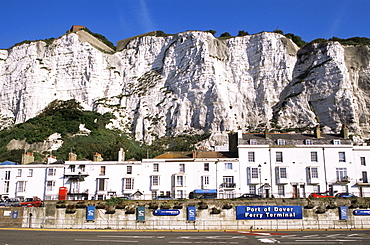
(279, 156)
(6, 186)
(253, 142)
(19, 173)
(252, 189)
(281, 173)
(228, 182)
(254, 173)
(50, 184)
(364, 177)
(182, 168)
(155, 180)
(129, 170)
(82, 168)
(21, 186)
(308, 142)
(251, 156)
(336, 142)
(205, 180)
(179, 194)
(7, 175)
(281, 142)
(101, 184)
(314, 174)
(73, 168)
(51, 171)
(206, 166)
(102, 170)
(155, 167)
(129, 183)
(363, 161)
(341, 174)
(342, 156)
(281, 190)
(180, 180)
(316, 188)
(313, 156)
(30, 172)
(228, 165)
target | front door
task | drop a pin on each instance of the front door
(295, 191)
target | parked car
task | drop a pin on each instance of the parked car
(10, 202)
(32, 202)
(320, 195)
(345, 194)
(250, 195)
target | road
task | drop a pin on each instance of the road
(95, 237)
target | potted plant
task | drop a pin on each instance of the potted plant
(81, 204)
(71, 209)
(227, 206)
(130, 210)
(165, 206)
(153, 205)
(177, 206)
(202, 205)
(61, 204)
(215, 210)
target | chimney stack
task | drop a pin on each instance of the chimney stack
(317, 132)
(121, 155)
(27, 157)
(72, 157)
(266, 133)
(97, 157)
(344, 132)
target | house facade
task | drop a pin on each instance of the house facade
(271, 165)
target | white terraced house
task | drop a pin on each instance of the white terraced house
(271, 165)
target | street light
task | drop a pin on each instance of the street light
(259, 173)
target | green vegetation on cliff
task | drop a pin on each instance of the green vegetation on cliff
(65, 117)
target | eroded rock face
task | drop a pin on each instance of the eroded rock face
(191, 82)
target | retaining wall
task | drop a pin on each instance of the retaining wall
(50, 216)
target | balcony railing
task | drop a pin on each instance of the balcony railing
(228, 185)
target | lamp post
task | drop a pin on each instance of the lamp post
(259, 173)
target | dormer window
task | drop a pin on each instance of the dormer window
(253, 142)
(281, 142)
(336, 142)
(308, 142)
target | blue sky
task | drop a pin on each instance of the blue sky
(119, 19)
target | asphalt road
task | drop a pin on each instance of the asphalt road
(94, 237)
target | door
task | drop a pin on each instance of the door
(295, 191)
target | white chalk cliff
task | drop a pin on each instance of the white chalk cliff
(192, 82)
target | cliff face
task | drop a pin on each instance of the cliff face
(191, 82)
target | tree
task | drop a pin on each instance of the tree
(213, 32)
(242, 33)
(225, 34)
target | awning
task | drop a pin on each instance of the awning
(205, 191)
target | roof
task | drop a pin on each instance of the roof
(292, 139)
(9, 163)
(196, 154)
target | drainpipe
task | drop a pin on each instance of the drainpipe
(218, 194)
(271, 172)
(326, 181)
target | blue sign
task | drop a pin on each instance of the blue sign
(361, 212)
(191, 213)
(90, 213)
(167, 212)
(14, 214)
(268, 212)
(140, 214)
(205, 191)
(343, 212)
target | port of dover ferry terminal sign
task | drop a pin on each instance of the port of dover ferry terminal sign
(268, 212)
